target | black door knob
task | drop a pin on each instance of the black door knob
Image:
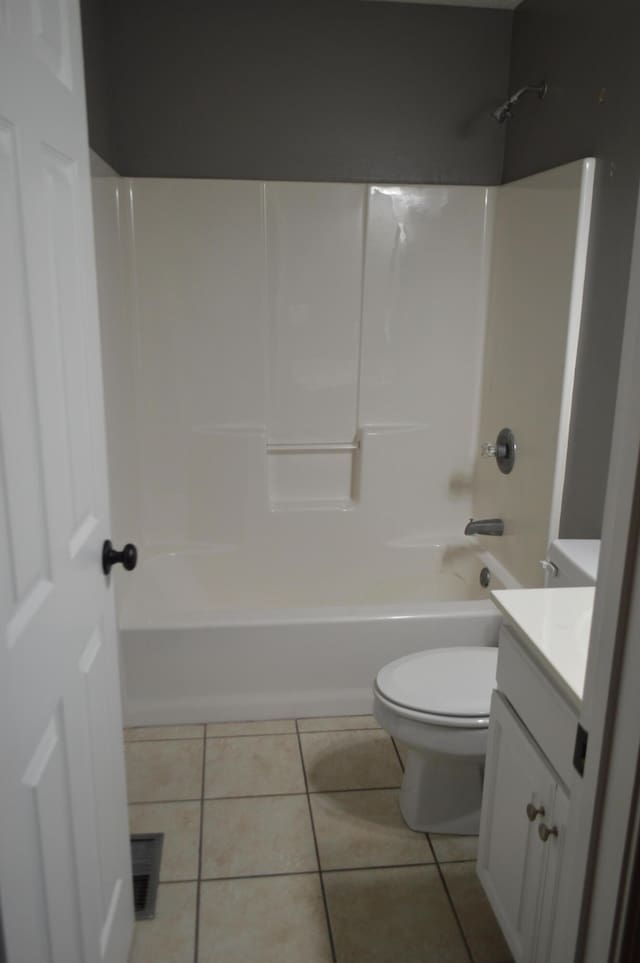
(128, 557)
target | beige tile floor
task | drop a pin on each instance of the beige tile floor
(284, 844)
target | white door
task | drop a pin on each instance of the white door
(65, 887)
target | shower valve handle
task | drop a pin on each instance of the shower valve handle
(504, 450)
(128, 557)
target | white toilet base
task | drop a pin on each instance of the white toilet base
(441, 794)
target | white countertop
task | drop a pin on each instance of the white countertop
(556, 624)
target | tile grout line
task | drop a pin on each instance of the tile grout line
(160, 742)
(317, 849)
(252, 735)
(325, 792)
(196, 948)
(306, 872)
(431, 848)
(172, 882)
(377, 867)
(315, 872)
(162, 802)
(454, 911)
(453, 862)
(449, 862)
(311, 792)
(395, 746)
(289, 732)
(320, 732)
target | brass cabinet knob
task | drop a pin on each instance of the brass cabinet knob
(532, 812)
(544, 832)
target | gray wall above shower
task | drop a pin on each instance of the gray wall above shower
(97, 76)
(337, 90)
(587, 50)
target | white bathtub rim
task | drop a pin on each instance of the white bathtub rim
(223, 618)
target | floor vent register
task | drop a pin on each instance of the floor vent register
(146, 853)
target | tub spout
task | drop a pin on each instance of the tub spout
(484, 526)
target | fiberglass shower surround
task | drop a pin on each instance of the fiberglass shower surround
(311, 370)
(302, 314)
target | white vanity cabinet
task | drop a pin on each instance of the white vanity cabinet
(525, 801)
(518, 869)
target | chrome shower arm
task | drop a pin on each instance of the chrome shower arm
(504, 111)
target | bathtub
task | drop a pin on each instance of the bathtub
(214, 635)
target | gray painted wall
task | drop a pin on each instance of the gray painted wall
(97, 71)
(582, 46)
(332, 90)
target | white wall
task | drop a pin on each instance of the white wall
(270, 313)
(535, 304)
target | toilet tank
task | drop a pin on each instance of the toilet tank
(574, 562)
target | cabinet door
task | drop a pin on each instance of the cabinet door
(511, 855)
(550, 945)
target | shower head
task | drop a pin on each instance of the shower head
(505, 111)
(502, 113)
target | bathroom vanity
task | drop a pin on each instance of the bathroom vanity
(534, 713)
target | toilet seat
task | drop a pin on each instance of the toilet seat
(444, 687)
(431, 718)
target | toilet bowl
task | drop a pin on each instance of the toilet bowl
(437, 703)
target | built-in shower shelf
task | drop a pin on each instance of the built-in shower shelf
(314, 448)
(311, 475)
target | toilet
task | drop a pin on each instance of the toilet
(437, 704)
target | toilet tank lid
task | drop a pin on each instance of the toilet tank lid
(456, 681)
(576, 558)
